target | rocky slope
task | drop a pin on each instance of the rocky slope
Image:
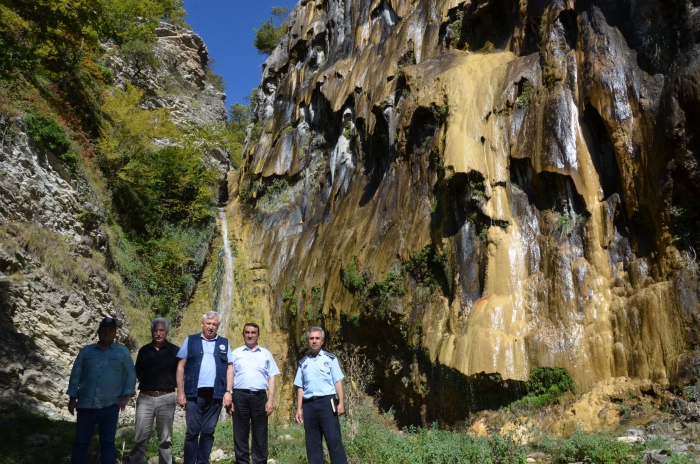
(55, 285)
(476, 188)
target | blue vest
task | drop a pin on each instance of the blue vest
(194, 363)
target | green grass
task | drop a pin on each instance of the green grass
(16, 425)
(375, 441)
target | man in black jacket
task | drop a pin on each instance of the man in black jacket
(156, 365)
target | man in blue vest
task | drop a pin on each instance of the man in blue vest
(320, 400)
(204, 385)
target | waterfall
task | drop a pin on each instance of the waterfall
(227, 286)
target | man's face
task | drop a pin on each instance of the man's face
(159, 333)
(209, 327)
(106, 334)
(250, 335)
(315, 341)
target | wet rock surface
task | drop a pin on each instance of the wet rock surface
(541, 154)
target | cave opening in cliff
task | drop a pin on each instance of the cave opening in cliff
(422, 129)
(489, 25)
(377, 156)
(602, 151)
(223, 192)
(547, 190)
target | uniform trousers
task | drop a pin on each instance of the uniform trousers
(249, 410)
(319, 421)
(162, 409)
(106, 421)
(201, 416)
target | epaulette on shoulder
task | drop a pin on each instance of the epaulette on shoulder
(303, 359)
(330, 355)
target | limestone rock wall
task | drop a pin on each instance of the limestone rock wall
(55, 283)
(179, 83)
(479, 187)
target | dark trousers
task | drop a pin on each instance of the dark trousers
(106, 420)
(201, 415)
(319, 421)
(249, 412)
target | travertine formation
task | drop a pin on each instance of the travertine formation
(476, 187)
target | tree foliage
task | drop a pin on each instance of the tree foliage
(149, 172)
(163, 197)
(270, 32)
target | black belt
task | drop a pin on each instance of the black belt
(251, 392)
(157, 393)
(314, 398)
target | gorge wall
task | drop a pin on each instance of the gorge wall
(472, 188)
(56, 281)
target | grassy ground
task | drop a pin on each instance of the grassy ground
(373, 441)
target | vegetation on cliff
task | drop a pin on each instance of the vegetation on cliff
(270, 32)
(154, 193)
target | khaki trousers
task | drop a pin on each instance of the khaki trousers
(148, 408)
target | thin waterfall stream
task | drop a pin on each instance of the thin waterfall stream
(227, 286)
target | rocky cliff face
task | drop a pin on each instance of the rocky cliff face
(480, 187)
(55, 285)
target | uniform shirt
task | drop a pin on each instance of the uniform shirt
(317, 376)
(252, 368)
(207, 371)
(156, 369)
(101, 378)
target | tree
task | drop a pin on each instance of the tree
(270, 32)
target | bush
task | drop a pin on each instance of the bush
(545, 385)
(270, 32)
(351, 278)
(590, 448)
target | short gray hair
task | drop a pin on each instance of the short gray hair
(160, 320)
(316, 329)
(211, 315)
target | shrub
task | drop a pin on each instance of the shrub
(270, 32)
(139, 56)
(591, 448)
(544, 386)
(524, 93)
(351, 277)
(47, 132)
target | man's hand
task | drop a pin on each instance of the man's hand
(269, 406)
(299, 416)
(181, 399)
(340, 409)
(72, 402)
(123, 402)
(227, 400)
(229, 410)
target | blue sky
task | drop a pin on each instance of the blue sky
(227, 29)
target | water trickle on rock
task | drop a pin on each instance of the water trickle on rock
(227, 288)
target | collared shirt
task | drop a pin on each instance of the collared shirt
(253, 368)
(207, 372)
(317, 376)
(101, 378)
(156, 368)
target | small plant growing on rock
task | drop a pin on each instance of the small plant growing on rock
(524, 93)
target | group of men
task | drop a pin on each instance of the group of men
(203, 376)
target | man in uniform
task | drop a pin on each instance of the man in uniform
(254, 371)
(204, 379)
(101, 384)
(319, 381)
(156, 366)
